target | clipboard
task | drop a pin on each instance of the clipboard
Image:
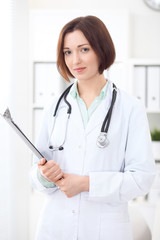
(7, 116)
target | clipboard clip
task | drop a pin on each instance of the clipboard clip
(7, 114)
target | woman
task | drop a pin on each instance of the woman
(88, 181)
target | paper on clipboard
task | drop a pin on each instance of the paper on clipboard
(7, 116)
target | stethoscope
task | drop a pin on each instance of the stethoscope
(102, 140)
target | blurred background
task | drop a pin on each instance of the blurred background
(28, 79)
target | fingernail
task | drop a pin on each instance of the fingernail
(41, 161)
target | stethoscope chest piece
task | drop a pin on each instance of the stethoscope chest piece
(102, 140)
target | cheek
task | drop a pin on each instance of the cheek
(67, 62)
(68, 65)
(95, 64)
(93, 60)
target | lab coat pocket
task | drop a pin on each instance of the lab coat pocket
(115, 226)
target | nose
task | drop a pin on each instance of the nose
(76, 58)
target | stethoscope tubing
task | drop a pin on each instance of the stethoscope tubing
(64, 94)
(106, 123)
(102, 140)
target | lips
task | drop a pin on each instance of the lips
(80, 69)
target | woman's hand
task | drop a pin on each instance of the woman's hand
(50, 170)
(72, 184)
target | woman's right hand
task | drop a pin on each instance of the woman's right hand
(50, 170)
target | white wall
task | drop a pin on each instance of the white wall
(14, 160)
(145, 29)
(20, 157)
(5, 63)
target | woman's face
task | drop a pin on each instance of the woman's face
(79, 56)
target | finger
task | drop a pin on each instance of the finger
(54, 175)
(51, 163)
(50, 170)
(42, 161)
(56, 167)
(57, 172)
(59, 177)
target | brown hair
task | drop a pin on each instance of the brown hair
(97, 35)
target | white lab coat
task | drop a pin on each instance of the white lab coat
(118, 173)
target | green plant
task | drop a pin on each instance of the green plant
(155, 134)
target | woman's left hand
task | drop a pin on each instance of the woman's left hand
(72, 184)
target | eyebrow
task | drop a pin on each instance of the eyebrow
(81, 45)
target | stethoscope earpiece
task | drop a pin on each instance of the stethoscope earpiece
(61, 148)
(58, 148)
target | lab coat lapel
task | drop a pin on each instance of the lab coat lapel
(76, 114)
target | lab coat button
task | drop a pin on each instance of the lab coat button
(73, 211)
(80, 146)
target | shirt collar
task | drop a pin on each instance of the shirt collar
(74, 91)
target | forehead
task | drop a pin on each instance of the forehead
(74, 39)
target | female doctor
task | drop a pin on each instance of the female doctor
(99, 155)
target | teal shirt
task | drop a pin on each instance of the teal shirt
(85, 113)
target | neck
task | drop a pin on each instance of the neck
(91, 87)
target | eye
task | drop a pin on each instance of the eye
(67, 52)
(85, 50)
